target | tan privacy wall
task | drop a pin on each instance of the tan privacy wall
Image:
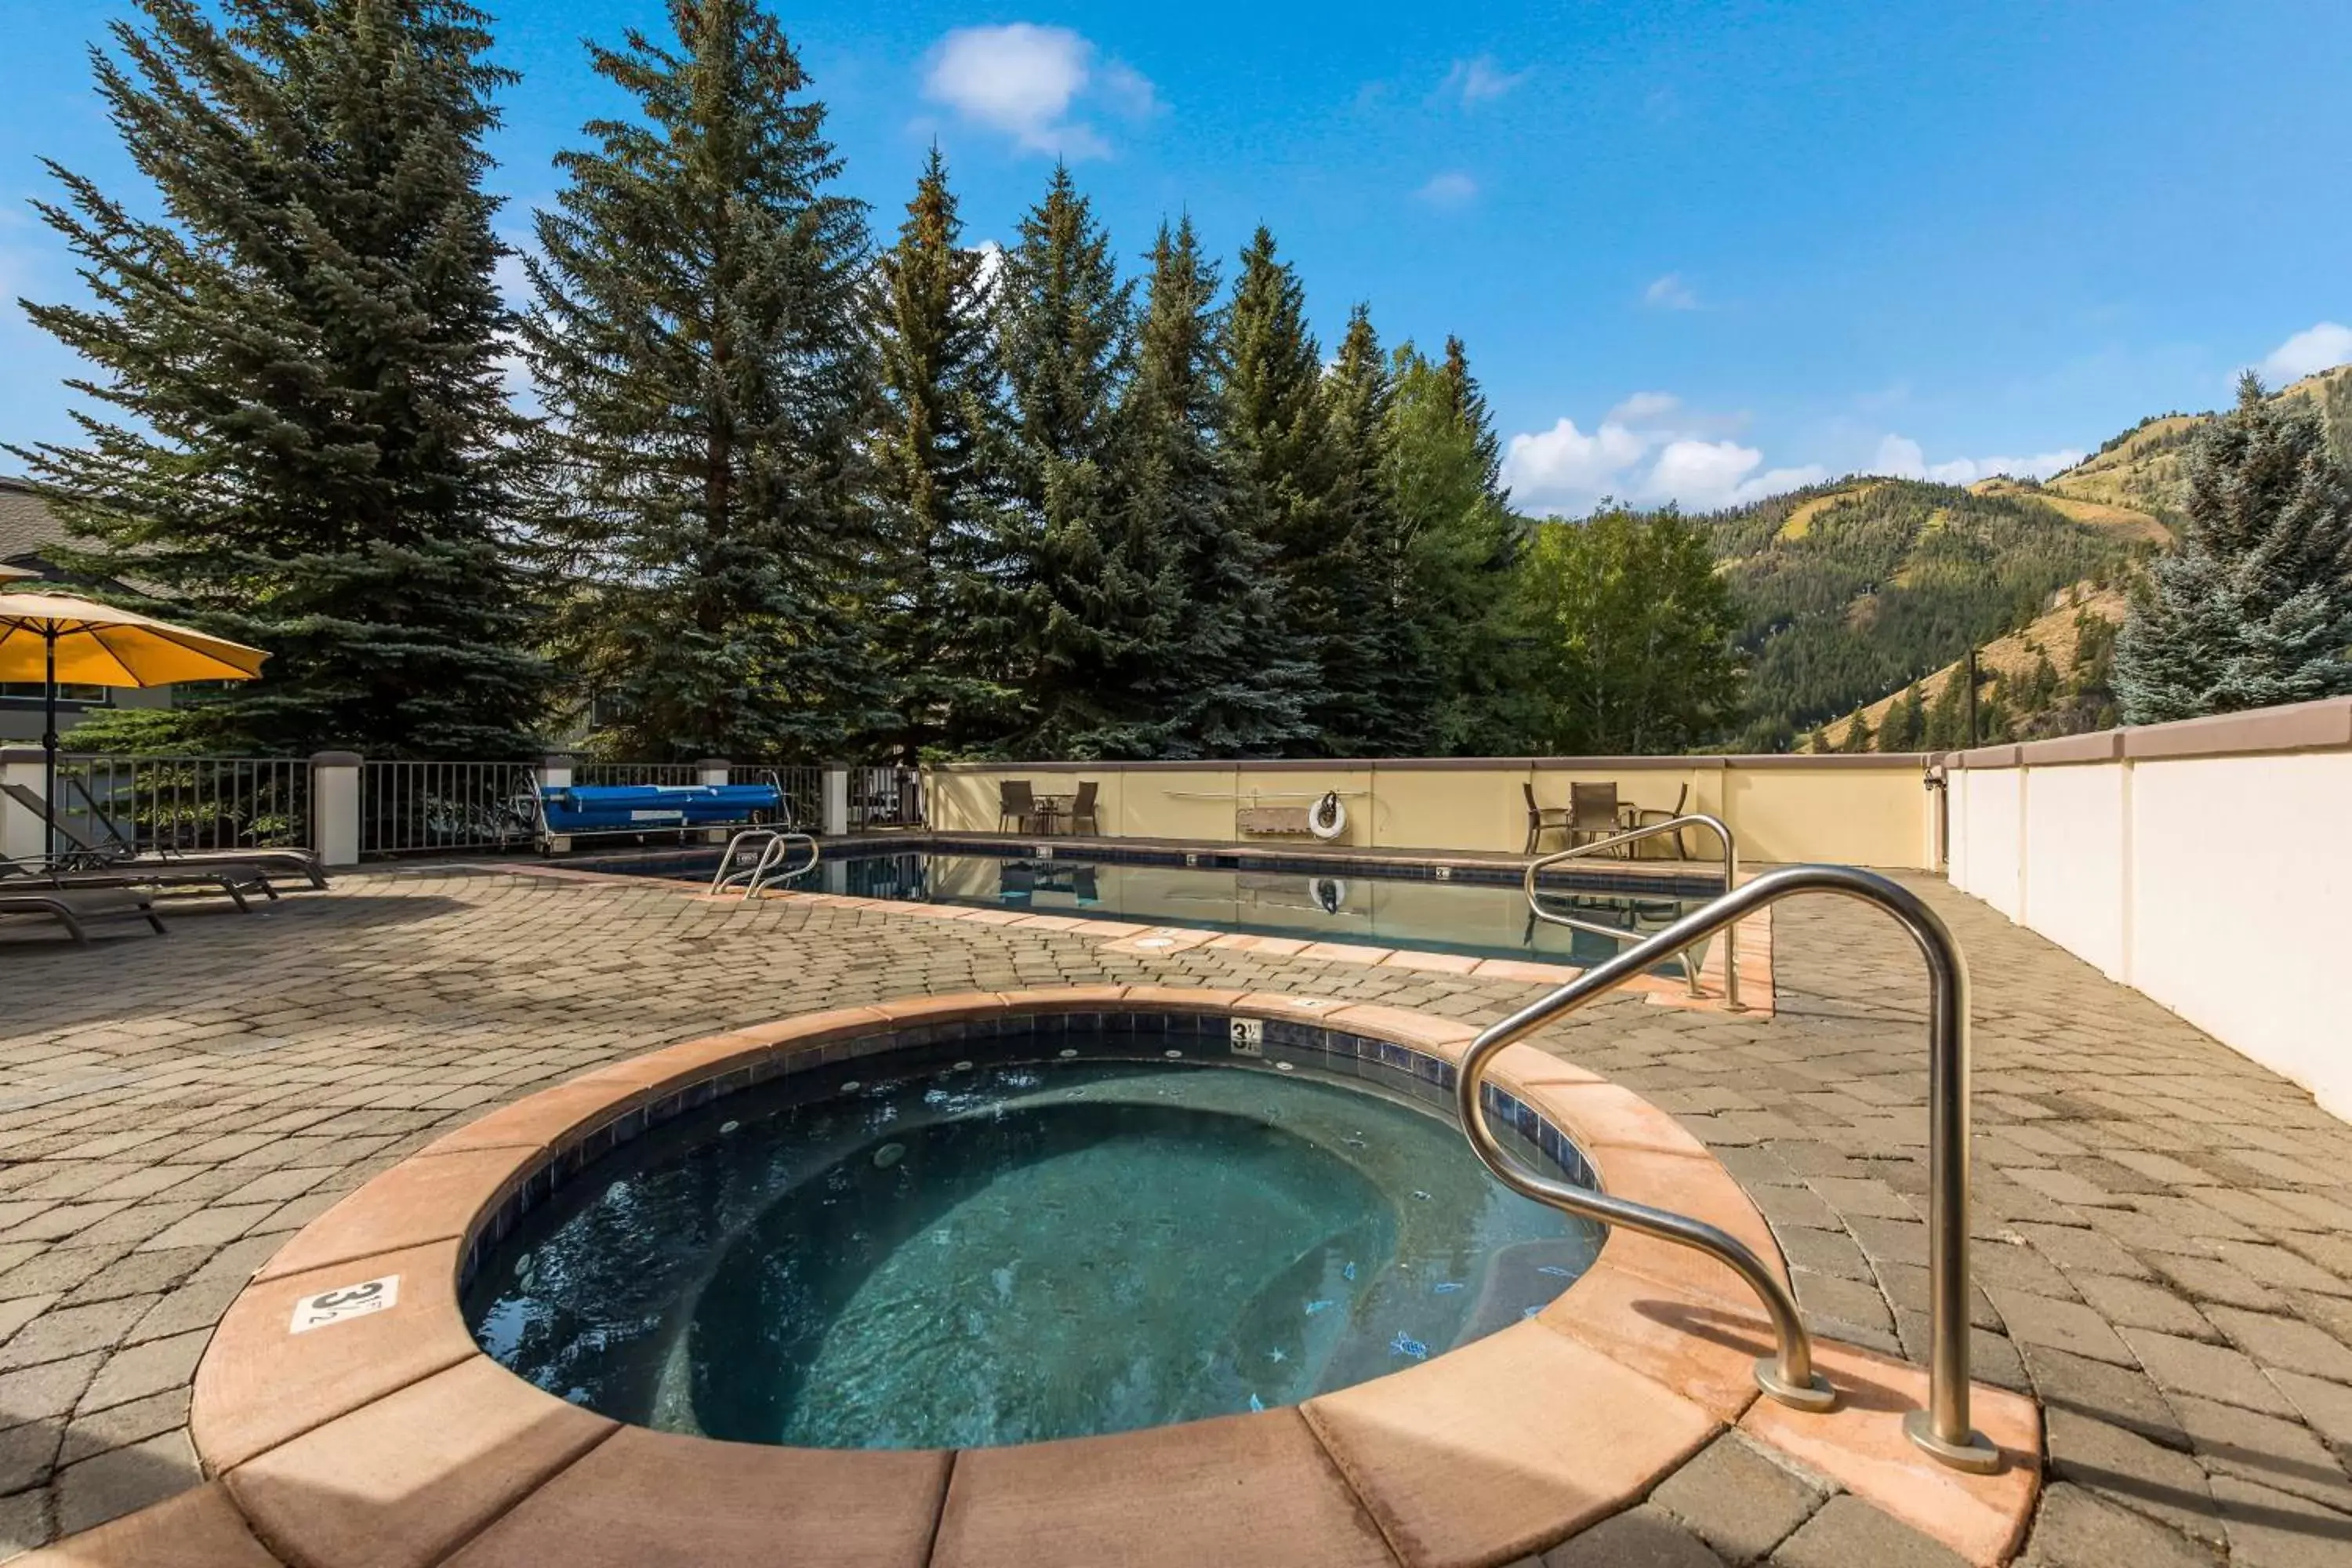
(2203, 863)
(1864, 810)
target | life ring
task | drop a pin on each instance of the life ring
(1330, 893)
(1327, 818)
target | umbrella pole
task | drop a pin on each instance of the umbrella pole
(49, 745)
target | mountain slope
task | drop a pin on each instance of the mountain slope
(1850, 590)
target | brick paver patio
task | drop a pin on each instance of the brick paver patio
(2165, 1230)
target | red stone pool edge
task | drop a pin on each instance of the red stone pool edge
(382, 1435)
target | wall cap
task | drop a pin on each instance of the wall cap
(336, 759)
(1907, 762)
(2325, 724)
(2099, 746)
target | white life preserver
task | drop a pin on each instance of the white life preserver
(1327, 818)
(1330, 893)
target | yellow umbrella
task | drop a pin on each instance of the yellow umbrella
(58, 639)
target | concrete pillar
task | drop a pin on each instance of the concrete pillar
(835, 814)
(23, 835)
(714, 771)
(335, 808)
(555, 773)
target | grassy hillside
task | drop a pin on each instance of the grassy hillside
(1850, 592)
(2006, 671)
(1854, 591)
(2140, 469)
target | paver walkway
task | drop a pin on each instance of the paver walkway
(2165, 1230)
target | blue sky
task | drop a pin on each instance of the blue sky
(1698, 251)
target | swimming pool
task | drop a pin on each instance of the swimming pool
(1480, 911)
(1115, 1224)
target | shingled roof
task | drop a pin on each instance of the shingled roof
(27, 526)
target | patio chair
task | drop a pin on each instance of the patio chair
(1081, 808)
(80, 909)
(1592, 812)
(236, 881)
(116, 852)
(1017, 804)
(1542, 819)
(1648, 817)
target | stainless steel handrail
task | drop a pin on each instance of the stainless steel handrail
(774, 843)
(1942, 1429)
(1722, 831)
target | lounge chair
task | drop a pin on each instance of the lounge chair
(114, 853)
(77, 910)
(1542, 819)
(1592, 812)
(160, 876)
(1082, 809)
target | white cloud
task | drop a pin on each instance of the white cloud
(1479, 80)
(1646, 405)
(2309, 352)
(1901, 457)
(992, 262)
(1703, 476)
(1025, 81)
(1670, 294)
(1564, 469)
(1451, 189)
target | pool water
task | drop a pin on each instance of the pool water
(1008, 1253)
(1478, 919)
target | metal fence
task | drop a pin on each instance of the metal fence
(416, 808)
(599, 773)
(185, 803)
(802, 789)
(885, 798)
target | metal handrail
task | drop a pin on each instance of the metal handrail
(1942, 1429)
(1722, 831)
(775, 843)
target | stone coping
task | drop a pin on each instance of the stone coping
(2324, 725)
(1715, 761)
(386, 1436)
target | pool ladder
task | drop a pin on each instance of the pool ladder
(1722, 831)
(774, 846)
(1942, 1429)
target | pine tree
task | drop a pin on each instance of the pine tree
(1286, 466)
(1209, 666)
(1947, 719)
(307, 437)
(934, 495)
(1381, 591)
(1079, 614)
(2254, 608)
(1906, 723)
(1444, 469)
(699, 339)
(1857, 737)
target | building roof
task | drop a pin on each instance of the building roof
(27, 526)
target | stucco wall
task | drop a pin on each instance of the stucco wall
(1870, 811)
(2202, 864)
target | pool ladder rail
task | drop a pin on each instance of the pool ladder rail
(1722, 831)
(1942, 1429)
(768, 867)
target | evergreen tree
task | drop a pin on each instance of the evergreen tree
(1857, 737)
(1906, 723)
(934, 497)
(1213, 667)
(1632, 644)
(1381, 592)
(1286, 467)
(1444, 471)
(1079, 613)
(306, 440)
(699, 339)
(2255, 608)
(1947, 717)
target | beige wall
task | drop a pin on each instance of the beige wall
(2211, 882)
(1871, 811)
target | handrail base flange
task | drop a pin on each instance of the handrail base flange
(1977, 1455)
(1816, 1395)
